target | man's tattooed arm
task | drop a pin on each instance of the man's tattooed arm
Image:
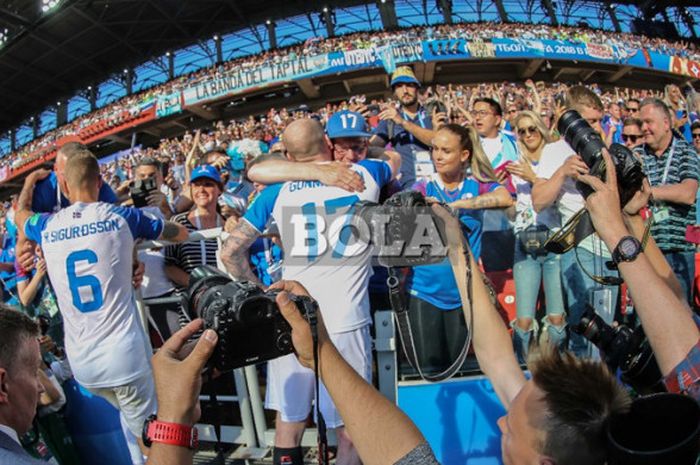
(235, 252)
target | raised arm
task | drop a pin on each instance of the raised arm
(381, 432)
(24, 202)
(173, 232)
(492, 343)
(499, 198)
(672, 333)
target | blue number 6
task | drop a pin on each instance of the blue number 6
(76, 282)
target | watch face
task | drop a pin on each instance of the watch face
(629, 248)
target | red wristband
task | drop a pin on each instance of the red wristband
(174, 434)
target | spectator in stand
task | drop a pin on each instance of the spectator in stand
(407, 128)
(501, 150)
(433, 304)
(632, 108)
(673, 169)
(632, 135)
(38, 298)
(557, 172)
(533, 265)
(695, 132)
(612, 124)
(181, 259)
(679, 109)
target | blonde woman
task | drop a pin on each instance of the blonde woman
(464, 180)
(532, 264)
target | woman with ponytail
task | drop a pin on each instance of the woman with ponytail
(466, 182)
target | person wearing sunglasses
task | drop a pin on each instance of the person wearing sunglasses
(632, 135)
(532, 265)
(632, 108)
(695, 131)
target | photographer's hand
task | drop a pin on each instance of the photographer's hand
(301, 331)
(639, 200)
(604, 204)
(178, 375)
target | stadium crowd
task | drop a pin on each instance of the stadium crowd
(115, 112)
(491, 152)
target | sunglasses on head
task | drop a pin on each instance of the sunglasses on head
(630, 137)
(528, 130)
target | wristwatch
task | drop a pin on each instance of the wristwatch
(174, 434)
(627, 250)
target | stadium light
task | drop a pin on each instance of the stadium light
(48, 5)
(268, 22)
(4, 36)
(216, 37)
(325, 9)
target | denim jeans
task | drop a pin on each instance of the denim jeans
(578, 287)
(528, 272)
(683, 266)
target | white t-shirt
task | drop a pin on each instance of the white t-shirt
(492, 146)
(570, 200)
(309, 216)
(155, 282)
(526, 215)
(88, 249)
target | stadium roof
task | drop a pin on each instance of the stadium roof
(53, 55)
(82, 42)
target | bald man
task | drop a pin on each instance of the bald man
(334, 270)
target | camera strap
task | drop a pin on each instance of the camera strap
(310, 311)
(403, 322)
(216, 418)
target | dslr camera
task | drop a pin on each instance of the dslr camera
(140, 189)
(405, 230)
(250, 327)
(589, 145)
(624, 348)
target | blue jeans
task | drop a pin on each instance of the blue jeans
(528, 272)
(683, 266)
(578, 287)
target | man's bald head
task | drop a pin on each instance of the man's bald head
(304, 139)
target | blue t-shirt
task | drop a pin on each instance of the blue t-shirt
(406, 143)
(435, 283)
(263, 254)
(46, 190)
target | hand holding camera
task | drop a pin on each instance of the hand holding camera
(248, 321)
(177, 368)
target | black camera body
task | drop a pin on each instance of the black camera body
(250, 327)
(624, 348)
(405, 229)
(140, 189)
(589, 145)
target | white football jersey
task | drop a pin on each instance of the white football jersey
(319, 251)
(88, 249)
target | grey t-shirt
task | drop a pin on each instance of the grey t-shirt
(421, 455)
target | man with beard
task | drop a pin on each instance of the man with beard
(409, 128)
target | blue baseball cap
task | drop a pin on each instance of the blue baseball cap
(346, 123)
(404, 74)
(206, 171)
